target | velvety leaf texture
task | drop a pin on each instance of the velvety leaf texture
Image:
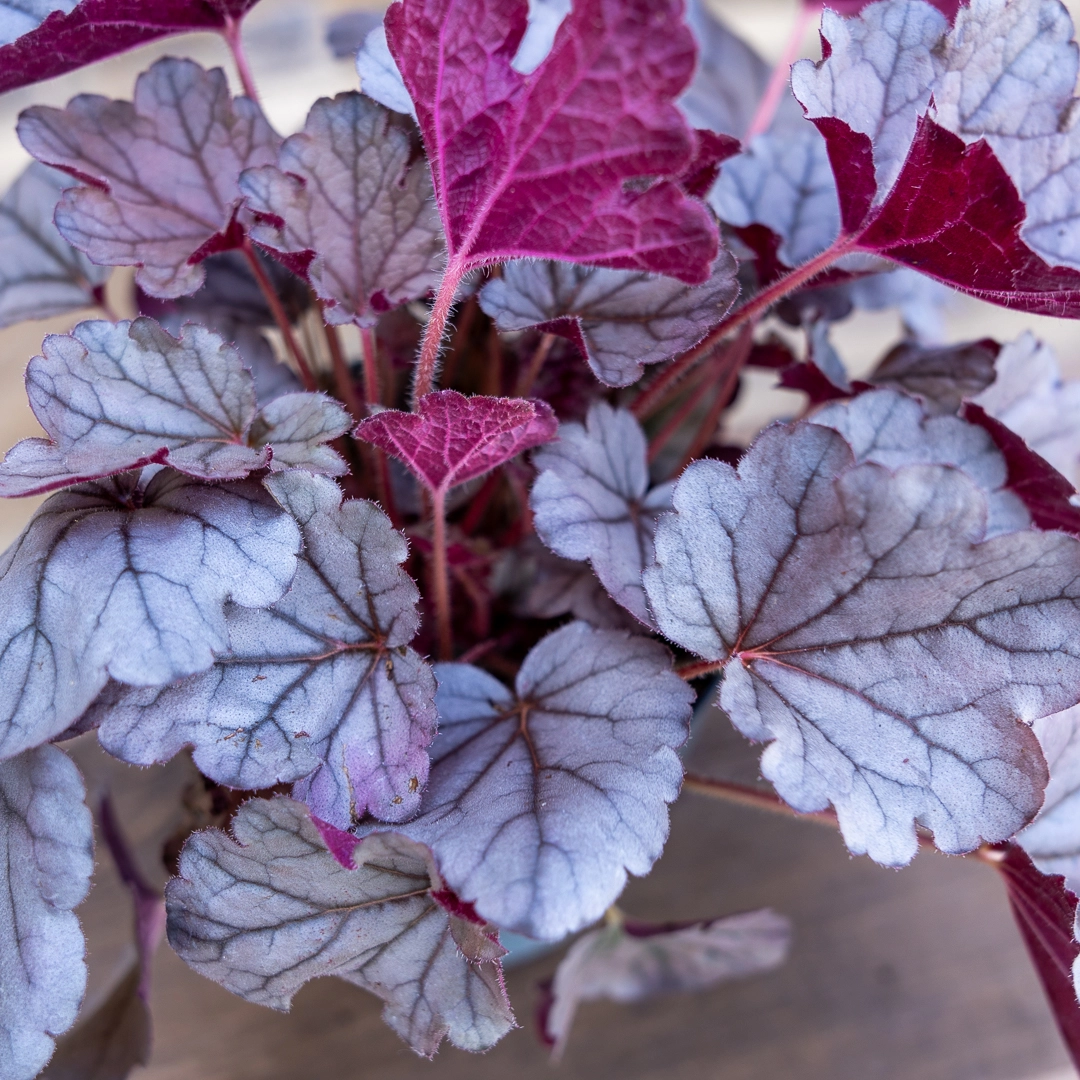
(75, 34)
(18, 17)
(558, 586)
(537, 165)
(163, 171)
(636, 961)
(1029, 396)
(266, 912)
(541, 800)
(619, 320)
(592, 500)
(889, 657)
(1053, 838)
(47, 844)
(117, 396)
(892, 429)
(345, 191)
(947, 195)
(40, 273)
(321, 685)
(129, 580)
(452, 438)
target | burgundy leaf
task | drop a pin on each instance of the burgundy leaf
(1045, 911)
(712, 149)
(1043, 490)
(95, 29)
(267, 911)
(453, 438)
(538, 165)
(118, 396)
(813, 382)
(163, 171)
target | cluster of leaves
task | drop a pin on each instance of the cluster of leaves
(889, 585)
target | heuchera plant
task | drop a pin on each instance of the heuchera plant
(511, 287)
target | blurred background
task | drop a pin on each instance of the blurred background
(917, 974)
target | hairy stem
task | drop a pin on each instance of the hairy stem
(280, 318)
(654, 395)
(781, 73)
(372, 399)
(430, 347)
(694, 669)
(231, 34)
(733, 360)
(527, 378)
(343, 381)
(440, 575)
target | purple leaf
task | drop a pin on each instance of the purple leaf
(1045, 912)
(1045, 493)
(321, 685)
(40, 273)
(452, 438)
(892, 429)
(18, 17)
(555, 587)
(541, 801)
(910, 189)
(537, 166)
(729, 80)
(266, 912)
(113, 397)
(129, 581)
(889, 657)
(163, 171)
(346, 192)
(47, 845)
(637, 961)
(78, 34)
(1008, 74)
(1030, 397)
(941, 378)
(782, 181)
(618, 319)
(592, 500)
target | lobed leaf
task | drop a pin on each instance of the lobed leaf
(951, 205)
(783, 181)
(320, 685)
(537, 166)
(266, 912)
(162, 171)
(452, 438)
(47, 844)
(541, 800)
(619, 320)
(892, 429)
(889, 655)
(635, 961)
(943, 377)
(40, 273)
(118, 396)
(128, 579)
(75, 34)
(1029, 396)
(592, 500)
(346, 192)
